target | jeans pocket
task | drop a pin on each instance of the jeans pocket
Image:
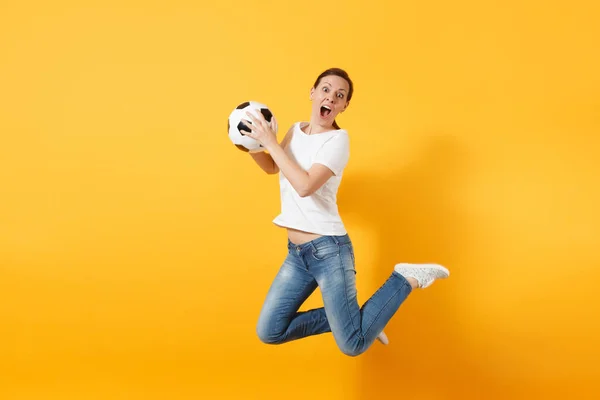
(324, 252)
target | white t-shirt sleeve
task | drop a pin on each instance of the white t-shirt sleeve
(334, 153)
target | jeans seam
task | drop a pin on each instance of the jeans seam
(360, 333)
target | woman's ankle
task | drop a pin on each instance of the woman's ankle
(413, 282)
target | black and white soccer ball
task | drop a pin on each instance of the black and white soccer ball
(235, 125)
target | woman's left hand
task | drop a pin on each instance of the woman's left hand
(261, 130)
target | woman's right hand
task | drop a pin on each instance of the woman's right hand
(261, 130)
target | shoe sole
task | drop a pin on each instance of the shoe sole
(429, 266)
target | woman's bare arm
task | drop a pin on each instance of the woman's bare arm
(264, 159)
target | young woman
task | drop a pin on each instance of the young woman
(310, 161)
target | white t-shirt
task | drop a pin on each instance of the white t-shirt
(317, 213)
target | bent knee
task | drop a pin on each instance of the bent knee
(352, 353)
(352, 350)
(267, 336)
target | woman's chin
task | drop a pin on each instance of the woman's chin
(325, 120)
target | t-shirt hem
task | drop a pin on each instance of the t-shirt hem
(283, 224)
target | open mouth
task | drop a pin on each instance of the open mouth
(325, 111)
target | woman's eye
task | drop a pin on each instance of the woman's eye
(325, 89)
(341, 96)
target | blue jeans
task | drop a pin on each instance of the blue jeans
(327, 262)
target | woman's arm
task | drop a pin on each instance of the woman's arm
(265, 162)
(304, 182)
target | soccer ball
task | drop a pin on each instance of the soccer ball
(235, 125)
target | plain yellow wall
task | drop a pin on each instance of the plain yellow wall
(136, 244)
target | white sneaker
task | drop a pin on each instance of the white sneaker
(382, 337)
(424, 274)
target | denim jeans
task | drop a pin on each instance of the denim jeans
(327, 262)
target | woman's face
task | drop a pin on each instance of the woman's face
(329, 99)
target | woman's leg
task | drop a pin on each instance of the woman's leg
(354, 328)
(279, 319)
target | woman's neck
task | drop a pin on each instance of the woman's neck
(313, 129)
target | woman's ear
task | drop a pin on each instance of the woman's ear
(346, 106)
(312, 91)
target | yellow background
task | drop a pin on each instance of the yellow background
(136, 243)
